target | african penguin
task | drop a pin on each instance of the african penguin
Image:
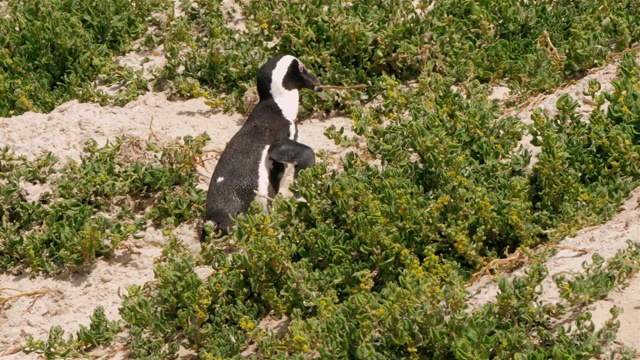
(254, 160)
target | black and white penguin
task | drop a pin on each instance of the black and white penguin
(254, 160)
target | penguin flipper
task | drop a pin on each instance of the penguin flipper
(292, 152)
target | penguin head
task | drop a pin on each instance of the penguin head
(284, 75)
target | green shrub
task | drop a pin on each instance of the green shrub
(374, 263)
(458, 152)
(586, 168)
(93, 205)
(202, 313)
(52, 51)
(599, 278)
(534, 46)
(624, 101)
(101, 331)
(422, 313)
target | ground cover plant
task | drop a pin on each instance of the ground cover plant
(88, 208)
(53, 51)
(374, 263)
(101, 331)
(535, 46)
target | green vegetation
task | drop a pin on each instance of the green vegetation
(598, 280)
(422, 315)
(101, 332)
(52, 51)
(374, 263)
(88, 208)
(534, 46)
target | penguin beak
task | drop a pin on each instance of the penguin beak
(311, 81)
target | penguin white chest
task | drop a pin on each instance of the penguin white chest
(264, 168)
(288, 103)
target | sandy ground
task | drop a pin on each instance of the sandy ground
(69, 300)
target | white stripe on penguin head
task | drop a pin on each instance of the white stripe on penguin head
(287, 100)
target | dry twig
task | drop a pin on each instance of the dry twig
(513, 261)
(38, 294)
(337, 87)
(571, 248)
(263, 195)
(588, 228)
(516, 260)
(616, 56)
(152, 134)
(551, 50)
(217, 151)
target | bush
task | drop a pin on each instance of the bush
(101, 331)
(533, 46)
(52, 51)
(90, 206)
(374, 263)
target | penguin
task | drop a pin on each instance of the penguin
(254, 160)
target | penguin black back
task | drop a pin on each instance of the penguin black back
(254, 160)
